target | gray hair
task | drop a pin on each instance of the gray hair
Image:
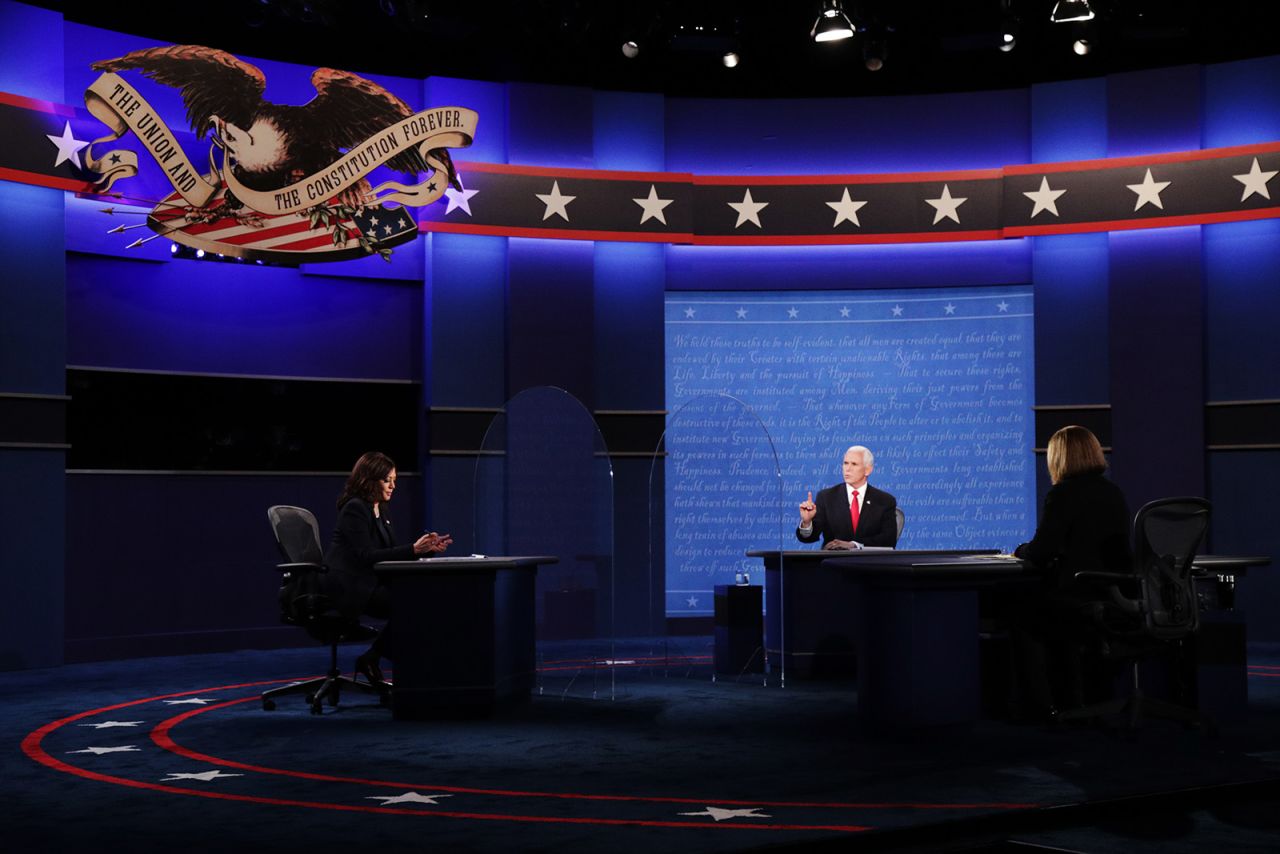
(868, 458)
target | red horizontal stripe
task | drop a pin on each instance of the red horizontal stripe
(21, 176)
(558, 233)
(836, 239)
(1151, 222)
(886, 178)
(37, 104)
(553, 172)
(1142, 160)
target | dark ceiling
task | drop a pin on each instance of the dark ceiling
(932, 45)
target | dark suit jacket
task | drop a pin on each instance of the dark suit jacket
(360, 540)
(877, 523)
(1084, 526)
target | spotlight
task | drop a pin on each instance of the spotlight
(199, 253)
(875, 49)
(730, 59)
(1071, 10)
(832, 23)
(173, 249)
(630, 49)
(1008, 40)
(1081, 46)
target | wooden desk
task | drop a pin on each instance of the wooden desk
(809, 628)
(462, 633)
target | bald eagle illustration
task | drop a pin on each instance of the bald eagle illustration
(275, 145)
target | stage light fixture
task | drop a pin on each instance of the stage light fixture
(730, 59)
(1008, 40)
(1081, 46)
(832, 23)
(630, 49)
(1065, 11)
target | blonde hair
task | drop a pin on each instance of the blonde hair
(1074, 450)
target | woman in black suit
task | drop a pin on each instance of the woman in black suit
(1084, 526)
(362, 538)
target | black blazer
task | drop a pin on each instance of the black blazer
(360, 540)
(877, 523)
(1084, 526)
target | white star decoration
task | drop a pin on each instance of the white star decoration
(459, 199)
(203, 776)
(98, 751)
(897, 311)
(68, 146)
(407, 798)
(844, 312)
(556, 203)
(748, 210)
(1046, 198)
(949, 308)
(742, 313)
(1148, 191)
(846, 209)
(946, 207)
(793, 313)
(721, 814)
(1002, 305)
(653, 206)
(692, 601)
(194, 701)
(110, 724)
(1255, 181)
(689, 312)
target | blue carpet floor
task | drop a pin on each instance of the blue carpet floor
(176, 754)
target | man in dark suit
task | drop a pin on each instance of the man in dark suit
(852, 514)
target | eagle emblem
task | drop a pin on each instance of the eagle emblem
(284, 182)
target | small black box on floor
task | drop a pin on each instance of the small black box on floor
(739, 629)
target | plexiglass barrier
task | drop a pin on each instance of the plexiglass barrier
(544, 486)
(715, 493)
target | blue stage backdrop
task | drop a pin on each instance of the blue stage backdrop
(937, 382)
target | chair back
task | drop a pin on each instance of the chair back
(900, 519)
(1168, 532)
(297, 533)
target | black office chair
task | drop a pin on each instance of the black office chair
(1154, 609)
(303, 603)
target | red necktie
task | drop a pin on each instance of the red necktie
(853, 511)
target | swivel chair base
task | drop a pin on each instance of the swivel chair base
(326, 688)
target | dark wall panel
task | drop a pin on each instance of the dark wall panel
(550, 315)
(1242, 489)
(1070, 274)
(240, 319)
(1242, 285)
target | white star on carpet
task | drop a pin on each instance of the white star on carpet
(1002, 305)
(98, 751)
(748, 210)
(110, 724)
(946, 206)
(742, 313)
(203, 776)
(194, 701)
(844, 312)
(1045, 198)
(689, 312)
(407, 798)
(793, 313)
(652, 206)
(1255, 181)
(721, 814)
(459, 199)
(949, 308)
(692, 601)
(846, 209)
(68, 146)
(1148, 191)
(556, 202)
(897, 311)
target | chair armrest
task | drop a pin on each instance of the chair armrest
(301, 567)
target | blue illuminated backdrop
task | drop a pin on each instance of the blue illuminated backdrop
(937, 382)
